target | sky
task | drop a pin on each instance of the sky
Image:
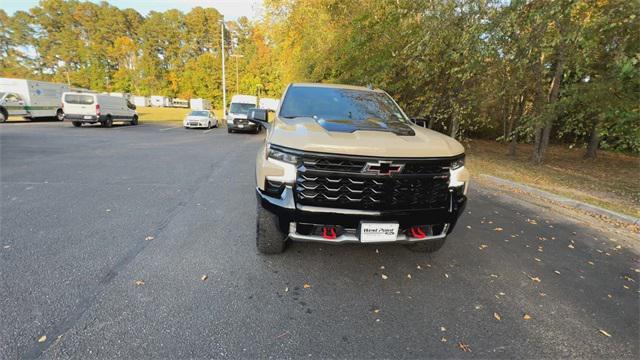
(231, 9)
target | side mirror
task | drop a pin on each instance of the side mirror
(420, 122)
(260, 117)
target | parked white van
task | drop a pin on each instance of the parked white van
(82, 107)
(30, 99)
(237, 115)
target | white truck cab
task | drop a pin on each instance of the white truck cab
(84, 107)
(236, 116)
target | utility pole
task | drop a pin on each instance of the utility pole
(237, 77)
(224, 84)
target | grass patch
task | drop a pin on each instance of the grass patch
(610, 181)
(159, 114)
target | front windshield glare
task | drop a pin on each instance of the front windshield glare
(240, 108)
(326, 103)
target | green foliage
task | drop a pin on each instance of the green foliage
(474, 68)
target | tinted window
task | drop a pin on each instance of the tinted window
(240, 108)
(78, 99)
(345, 110)
(339, 104)
(199, 113)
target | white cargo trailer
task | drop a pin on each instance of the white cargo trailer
(31, 99)
(182, 103)
(160, 101)
(141, 101)
(200, 104)
(121, 94)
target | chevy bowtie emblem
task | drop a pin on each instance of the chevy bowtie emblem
(382, 168)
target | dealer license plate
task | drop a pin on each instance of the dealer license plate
(378, 231)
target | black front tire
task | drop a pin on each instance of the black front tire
(269, 238)
(76, 123)
(427, 246)
(134, 120)
(3, 115)
(60, 115)
(108, 122)
(229, 130)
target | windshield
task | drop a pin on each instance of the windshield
(345, 110)
(199, 113)
(240, 108)
(78, 99)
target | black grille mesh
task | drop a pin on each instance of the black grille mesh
(339, 182)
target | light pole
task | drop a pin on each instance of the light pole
(224, 85)
(237, 77)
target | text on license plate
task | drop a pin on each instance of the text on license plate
(378, 231)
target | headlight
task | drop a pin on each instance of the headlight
(277, 154)
(457, 163)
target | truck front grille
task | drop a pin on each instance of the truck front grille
(340, 183)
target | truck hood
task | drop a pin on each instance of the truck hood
(308, 135)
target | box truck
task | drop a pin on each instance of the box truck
(200, 104)
(160, 101)
(31, 99)
(141, 101)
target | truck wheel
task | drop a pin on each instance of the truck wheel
(428, 246)
(269, 238)
(60, 115)
(134, 120)
(3, 115)
(76, 123)
(108, 122)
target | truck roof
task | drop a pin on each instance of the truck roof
(336, 86)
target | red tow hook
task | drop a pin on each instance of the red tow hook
(417, 232)
(329, 233)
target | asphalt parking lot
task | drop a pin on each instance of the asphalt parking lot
(106, 235)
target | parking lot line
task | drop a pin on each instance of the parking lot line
(165, 129)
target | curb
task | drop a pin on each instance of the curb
(566, 201)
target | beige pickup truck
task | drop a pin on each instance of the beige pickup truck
(344, 164)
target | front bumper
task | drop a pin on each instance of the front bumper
(243, 126)
(293, 214)
(195, 124)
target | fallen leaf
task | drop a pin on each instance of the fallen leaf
(375, 311)
(42, 338)
(531, 221)
(628, 278)
(139, 282)
(464, 347)
(483, 246)
(443, 339)
(534, 279)
(286, 289)
(418, 267)
(382, 267)
(6, 247)
(536, 259)
(108, 210)
(609, 296)
(204, 277)
(468, 226)
(556, 271)
(306, 286)
(625, 286)
(149, 238)
(384, 277)
(543, 294)
(409, 276)
(446, 275)
(604, 333)
(571, 246)
(590, 262)
(501, 293)
(442, 328)
(526, 317)
(497, 316)
(493, 275)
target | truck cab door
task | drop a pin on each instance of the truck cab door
(15, 105)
